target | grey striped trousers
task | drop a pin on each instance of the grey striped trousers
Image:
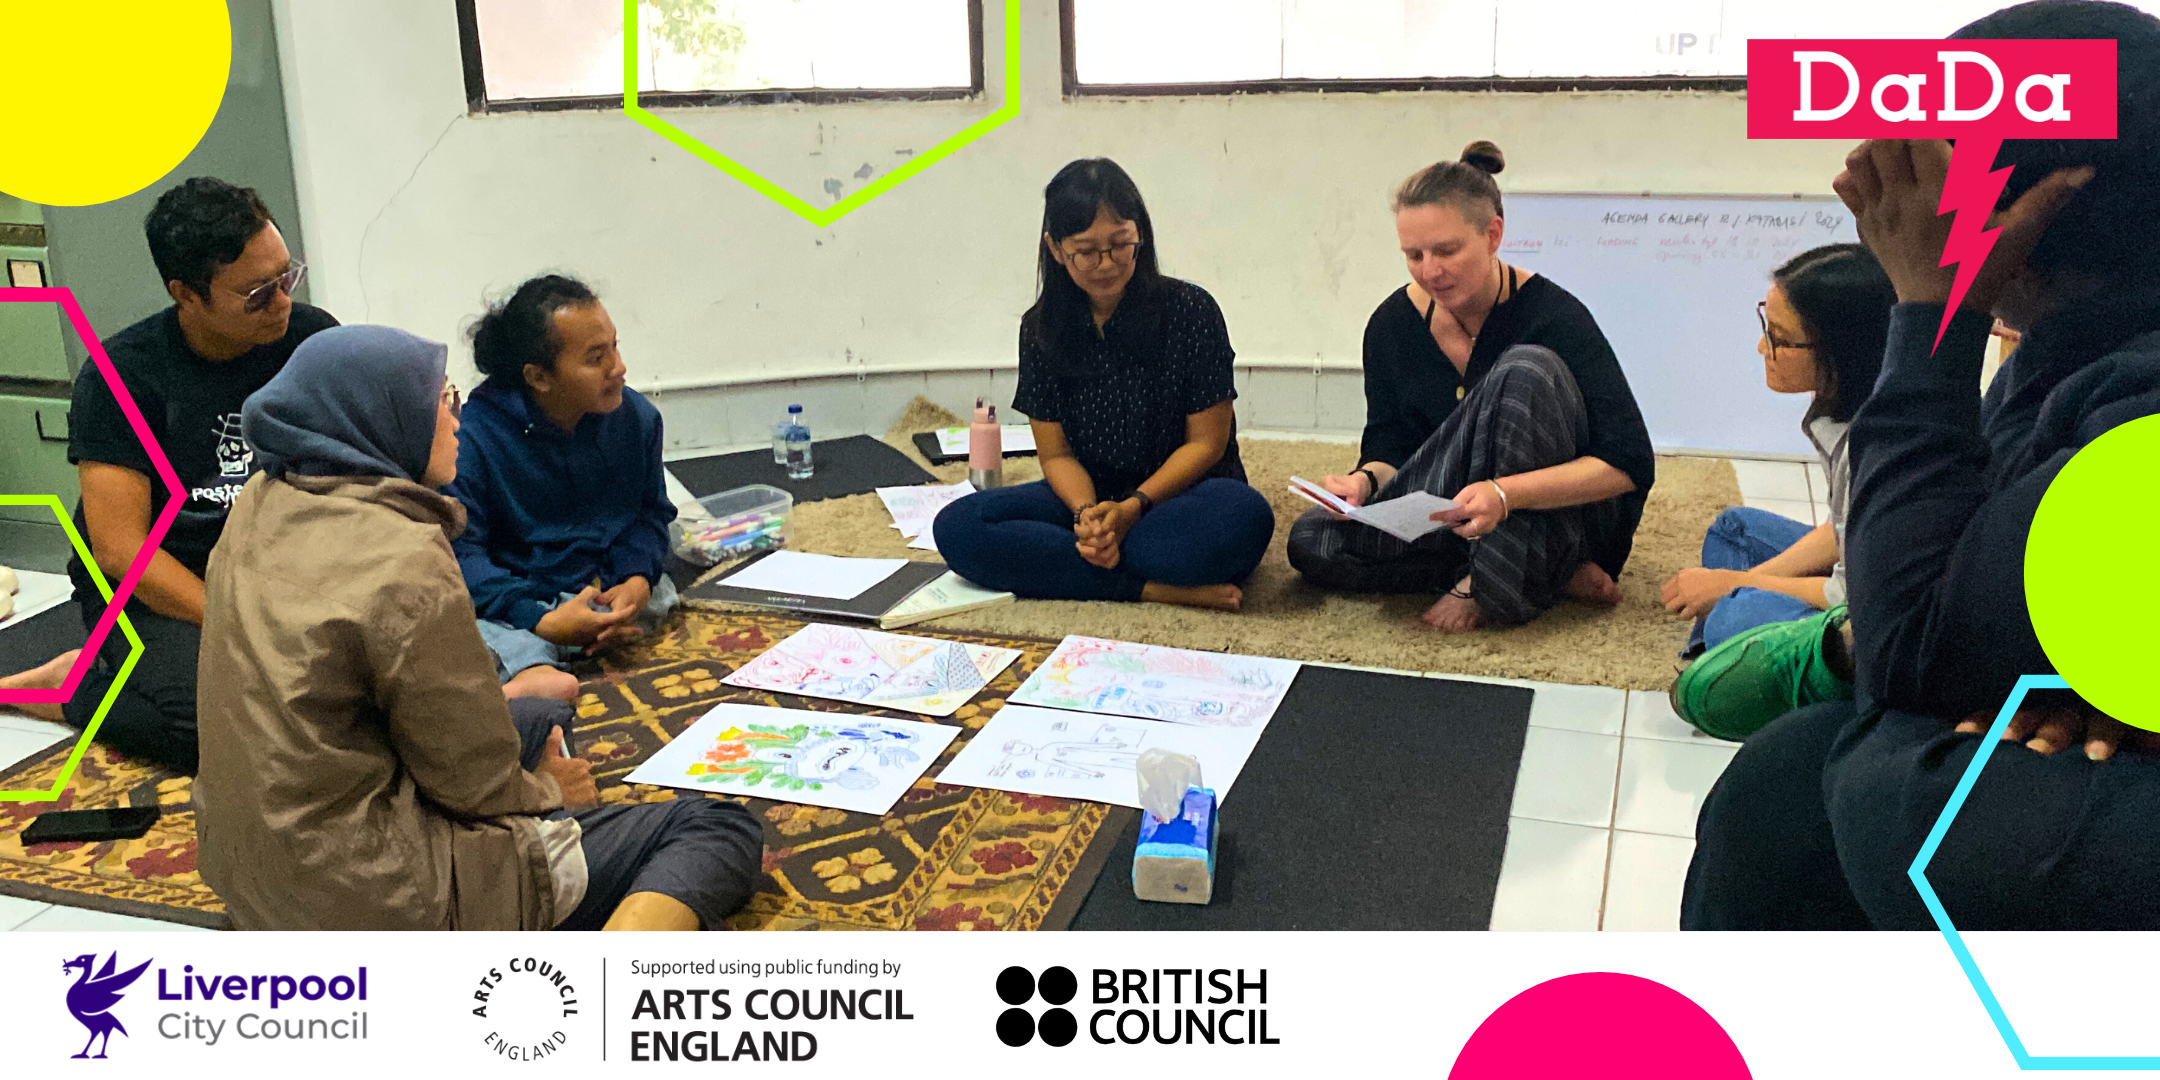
(1525, 414)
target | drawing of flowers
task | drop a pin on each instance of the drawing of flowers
(728, 753)
(736, 747)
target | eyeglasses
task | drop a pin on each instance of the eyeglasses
(453, 398)
(1120, 253)
(1762, 315)
(262, 296)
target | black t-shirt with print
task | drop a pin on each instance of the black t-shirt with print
(1122, 393)
(192, 406)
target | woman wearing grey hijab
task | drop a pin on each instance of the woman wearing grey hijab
(360, 766)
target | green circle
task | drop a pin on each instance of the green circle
(2090, 583)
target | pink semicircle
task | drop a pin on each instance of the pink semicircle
(1602, 1024)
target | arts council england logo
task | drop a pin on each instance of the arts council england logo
(525, 1007)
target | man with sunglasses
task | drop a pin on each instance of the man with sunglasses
(232, 325)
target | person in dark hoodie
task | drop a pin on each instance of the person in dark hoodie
(565, 499)
(360, 767)
(1818, 818)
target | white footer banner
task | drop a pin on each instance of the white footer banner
(1468, 1006)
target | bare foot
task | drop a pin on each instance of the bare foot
(1592, 585)
(1455, 614)
(46, 676)
(542, 681)
(1212, 597)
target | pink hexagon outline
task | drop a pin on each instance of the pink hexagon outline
(65, 297)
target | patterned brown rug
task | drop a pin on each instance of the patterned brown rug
(946, 858)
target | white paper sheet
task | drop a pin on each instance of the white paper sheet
(1082, 756)
(871, 667)
(925, 540)
(1015, 438)
(1182, 686)
(1405, 517)
(38, 592)
(848, 762)
(814, 575)
(914, 508)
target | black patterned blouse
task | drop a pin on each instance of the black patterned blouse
(1122, 392)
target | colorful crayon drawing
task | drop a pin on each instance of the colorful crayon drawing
(850, 762)
(1075, 756)
(869, 667)
(1182, 686)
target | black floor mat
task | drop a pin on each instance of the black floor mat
(856, 465)
(1373, 802)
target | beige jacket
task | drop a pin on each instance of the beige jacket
(359, 767)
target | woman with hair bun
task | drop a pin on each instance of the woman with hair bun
(566, 503)
(1494, 387)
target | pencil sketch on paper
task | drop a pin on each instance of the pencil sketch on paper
(1077, 756)
(1111, 748)
(869, 667)
(1182, 686)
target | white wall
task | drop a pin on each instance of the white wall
(1275, 203)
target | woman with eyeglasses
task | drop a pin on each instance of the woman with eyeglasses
(1125, 378)
(1824, 323)
(566, 507)
(1817, 821)
(361, 769)
(1769, 598)
(1489, 385)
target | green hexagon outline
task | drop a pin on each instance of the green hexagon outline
(1006, 110)
(135, 651)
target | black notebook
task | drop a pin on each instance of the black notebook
(927, 443)
(871, 604)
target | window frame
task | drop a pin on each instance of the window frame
(477, 102)
(1069, 52)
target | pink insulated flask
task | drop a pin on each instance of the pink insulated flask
(986, 449)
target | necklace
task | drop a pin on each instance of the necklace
(1499, 285)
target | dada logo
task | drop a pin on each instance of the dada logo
(1977, 92)
(92, 998)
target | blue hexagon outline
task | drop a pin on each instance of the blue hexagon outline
(1918, 874)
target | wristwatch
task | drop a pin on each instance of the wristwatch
(1146, 504)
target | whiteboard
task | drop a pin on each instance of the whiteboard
(1673, 282)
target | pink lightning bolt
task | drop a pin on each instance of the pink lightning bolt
(1969, 191)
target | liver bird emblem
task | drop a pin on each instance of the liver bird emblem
(91, 998)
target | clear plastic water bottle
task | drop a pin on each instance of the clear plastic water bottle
(779, 434)
(797, 445)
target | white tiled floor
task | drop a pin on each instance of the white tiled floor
(1605, 803)
(1611, 782)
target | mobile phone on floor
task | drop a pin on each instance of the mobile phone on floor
(81, 826)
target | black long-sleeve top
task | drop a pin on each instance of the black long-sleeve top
(1411, 388)
(1945, 486)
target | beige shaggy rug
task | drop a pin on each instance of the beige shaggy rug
(1630, 646)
